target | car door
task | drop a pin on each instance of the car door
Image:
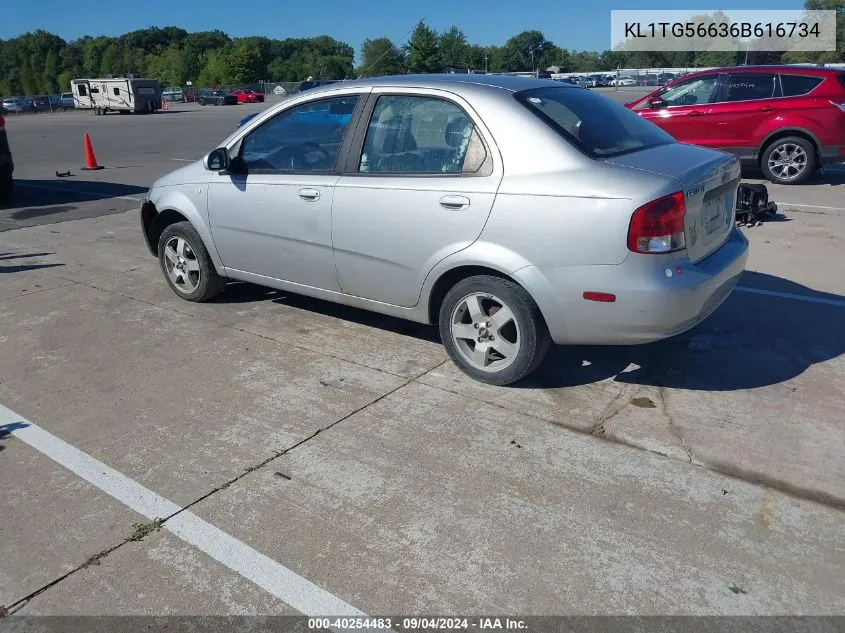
(745, 103)
(418, 187)
(270, 215)
(683, 110)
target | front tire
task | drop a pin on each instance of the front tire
(186, 264)
(790, 160)
(493, 330)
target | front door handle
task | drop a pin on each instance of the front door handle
(696, 113)
(309, 194)
(766, 109)
(454, 203)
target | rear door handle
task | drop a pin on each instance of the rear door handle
(696, 113)
(309, 194)
(454, 203)
(766, 109)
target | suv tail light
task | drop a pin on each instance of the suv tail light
(2, 121)
(658, 226)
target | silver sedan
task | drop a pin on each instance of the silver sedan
(511, 212)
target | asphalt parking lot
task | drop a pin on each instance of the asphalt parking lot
(266, 453)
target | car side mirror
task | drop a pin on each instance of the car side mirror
(655, 103)
(217, 160)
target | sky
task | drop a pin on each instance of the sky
(581, 25)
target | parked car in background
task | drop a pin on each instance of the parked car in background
(18, 104)
(7, 166)
(786, 120)
(216, 97)
(43, 104)
(173, 95)
(248, 96)
(531, 212)
(311, 83)
(66, 101)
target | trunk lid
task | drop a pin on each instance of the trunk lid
(709, 180)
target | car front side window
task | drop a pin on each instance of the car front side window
(693, 92)
(305, 138)
(421, 135)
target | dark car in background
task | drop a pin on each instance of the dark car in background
(43, 104)
(6, 164)
(216, 97)
(18, 104)
(307, 85)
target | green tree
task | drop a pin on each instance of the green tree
(528, 50)
(424, 51)
(243, 63)
(51, 71)
(381, 57)
(454, 49)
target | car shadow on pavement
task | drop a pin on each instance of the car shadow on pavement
(757, 338)
(7, 429)
(65, 191)
(19, 267)
(753, 340)
(240, 292)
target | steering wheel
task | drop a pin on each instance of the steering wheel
(298, 154)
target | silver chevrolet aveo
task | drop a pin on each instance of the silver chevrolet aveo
(511, 212)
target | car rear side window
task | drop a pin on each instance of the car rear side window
(594, 123)
(421, 135)
(797, 85)
(749, 87)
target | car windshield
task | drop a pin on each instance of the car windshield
(595, 124)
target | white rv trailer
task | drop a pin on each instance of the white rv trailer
(116, 94)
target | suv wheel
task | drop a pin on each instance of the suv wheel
(790, 160)
(493, 330)
(186, 264)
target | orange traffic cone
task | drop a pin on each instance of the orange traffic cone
(90, 159)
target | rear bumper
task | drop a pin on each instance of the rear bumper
(656, 296)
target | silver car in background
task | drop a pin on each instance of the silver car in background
(511, 212)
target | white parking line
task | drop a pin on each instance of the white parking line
(809, 206)
(273, 577)
(790, 295)
(184, 160)
(81, 192)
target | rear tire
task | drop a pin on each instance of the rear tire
(186, 264)
(494, 350)
(789, 160)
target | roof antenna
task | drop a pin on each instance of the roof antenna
(387, 50)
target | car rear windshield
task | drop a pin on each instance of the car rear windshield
(598, 126)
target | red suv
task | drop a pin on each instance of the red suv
(788, 120)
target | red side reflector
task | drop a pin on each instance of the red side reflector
(604, 297)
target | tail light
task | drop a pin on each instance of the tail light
(658, 226)
(2, 121)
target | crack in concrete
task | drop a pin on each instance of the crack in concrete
(70, 282)
(670, 421)
(616, 405)
(141, 530)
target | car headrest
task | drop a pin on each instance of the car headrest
(457, 131)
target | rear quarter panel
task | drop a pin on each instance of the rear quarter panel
(571, 217)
